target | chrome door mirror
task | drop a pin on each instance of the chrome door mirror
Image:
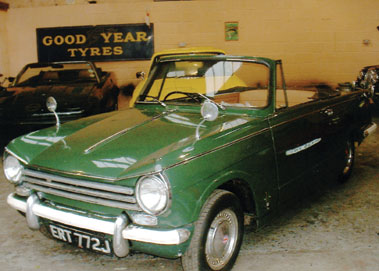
(209, 111)
(52, 105)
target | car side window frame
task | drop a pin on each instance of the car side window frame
(282, 88)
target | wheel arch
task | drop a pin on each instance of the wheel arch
(243, 192)
(237, 184)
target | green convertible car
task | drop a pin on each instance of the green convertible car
(211, 138)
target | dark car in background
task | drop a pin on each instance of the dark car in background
(80, 89)
(2, 82)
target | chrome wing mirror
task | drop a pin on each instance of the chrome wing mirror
(52, 105)
(209, 112)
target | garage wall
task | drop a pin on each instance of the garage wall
(4, 67)
(318, 40)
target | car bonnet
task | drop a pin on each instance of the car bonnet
(127, 143)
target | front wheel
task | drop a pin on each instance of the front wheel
(218, 234)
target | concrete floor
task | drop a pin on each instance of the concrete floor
(336, 229)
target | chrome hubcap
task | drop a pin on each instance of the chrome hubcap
(221, 239)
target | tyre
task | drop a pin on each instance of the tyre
(218, 234)
(349, 157)
(111, 104)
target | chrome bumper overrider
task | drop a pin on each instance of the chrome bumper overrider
(119, 229)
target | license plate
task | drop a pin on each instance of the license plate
(80, 239)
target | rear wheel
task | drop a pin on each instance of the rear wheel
(217, 236)
(349, 157)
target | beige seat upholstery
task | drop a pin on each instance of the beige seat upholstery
(259, 98)
(295, 97)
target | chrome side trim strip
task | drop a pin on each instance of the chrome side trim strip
(131, 232)
(303, 147)
(58, 113)
(15, 155)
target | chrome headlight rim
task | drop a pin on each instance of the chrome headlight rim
(163, 183)
(12, 168)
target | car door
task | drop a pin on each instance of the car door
(337, 118)
(298, 142)
(298, 136)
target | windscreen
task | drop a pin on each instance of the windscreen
(230, 83)
(56, 74)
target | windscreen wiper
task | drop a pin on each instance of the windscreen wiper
(206, 98)
(155, 100)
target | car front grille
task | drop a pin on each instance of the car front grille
(91, 192)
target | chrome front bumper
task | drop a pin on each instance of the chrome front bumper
(120, 229)
(370, 130)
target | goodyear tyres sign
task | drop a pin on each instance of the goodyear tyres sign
(96, 43)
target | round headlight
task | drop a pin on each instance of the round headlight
(153, 194)
(12, 169)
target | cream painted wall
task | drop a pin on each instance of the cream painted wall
(318, 40)
(4, 67)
